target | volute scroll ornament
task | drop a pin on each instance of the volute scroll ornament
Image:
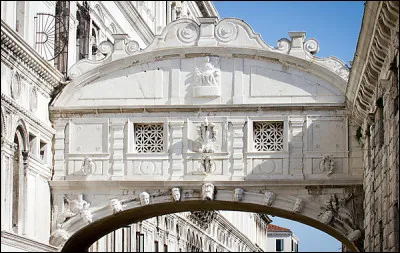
(283, 45)
(226, 31)
(311, 46)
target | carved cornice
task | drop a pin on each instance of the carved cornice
(373, 56)
(137, 22)
(207, 9)
(24, 243)
(15, 108)
(12, 42)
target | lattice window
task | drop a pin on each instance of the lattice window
(149, 138)
(268, 136)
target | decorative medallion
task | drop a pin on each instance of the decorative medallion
(226, 31)
(147, 168)
(187, 33)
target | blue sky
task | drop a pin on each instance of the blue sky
(336, 25)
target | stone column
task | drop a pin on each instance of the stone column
(59, 149)
(24, 197)
(117, 147)
(177, 167)
(238, 148)
(296, 165)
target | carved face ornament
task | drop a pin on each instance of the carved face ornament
(207, 191)
(116, 205)
(176, 194)
(238, 194)
(269, 198)
(144, 198)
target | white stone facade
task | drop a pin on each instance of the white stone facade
(164, 95)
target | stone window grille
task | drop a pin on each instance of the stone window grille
(149, 138)
(268, 135)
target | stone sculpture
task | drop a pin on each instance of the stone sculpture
(238, 194)
(144, 198)
(269, 198)
(207, 191)
(176, 194)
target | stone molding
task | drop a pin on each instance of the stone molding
(15, 108)
(136, 20)
(228, 33)
(374, 55)
(24, 243)
(12, 42)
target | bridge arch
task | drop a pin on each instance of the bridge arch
(81, 232)
(195, 77)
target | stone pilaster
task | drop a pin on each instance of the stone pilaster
(176, 149)
(59, 150)
(296, 126)
(237, 148)
(117, 146)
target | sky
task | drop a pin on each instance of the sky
(336, 26)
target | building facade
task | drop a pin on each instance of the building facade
(373, 95)
(77, 152)
(281, 239)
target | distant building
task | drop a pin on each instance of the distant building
(281, 239)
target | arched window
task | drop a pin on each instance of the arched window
(18, 179)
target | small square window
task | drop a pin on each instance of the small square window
(149, 138)
(268, 135)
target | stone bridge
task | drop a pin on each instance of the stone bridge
(213, 112)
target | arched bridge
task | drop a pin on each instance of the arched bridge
(206, 104)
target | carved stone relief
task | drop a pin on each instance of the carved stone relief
(176, 194)
(207, 132)
(74, 207)
(144, 198)
(269, 198)
(116, 205)
(207, 78)
(88, 166)
(338, 216)
(327, 165)
(298, 205)
(238, 194)
(207, 191)
(16, 85)
(33, 99)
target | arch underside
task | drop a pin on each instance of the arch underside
(83, 234)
